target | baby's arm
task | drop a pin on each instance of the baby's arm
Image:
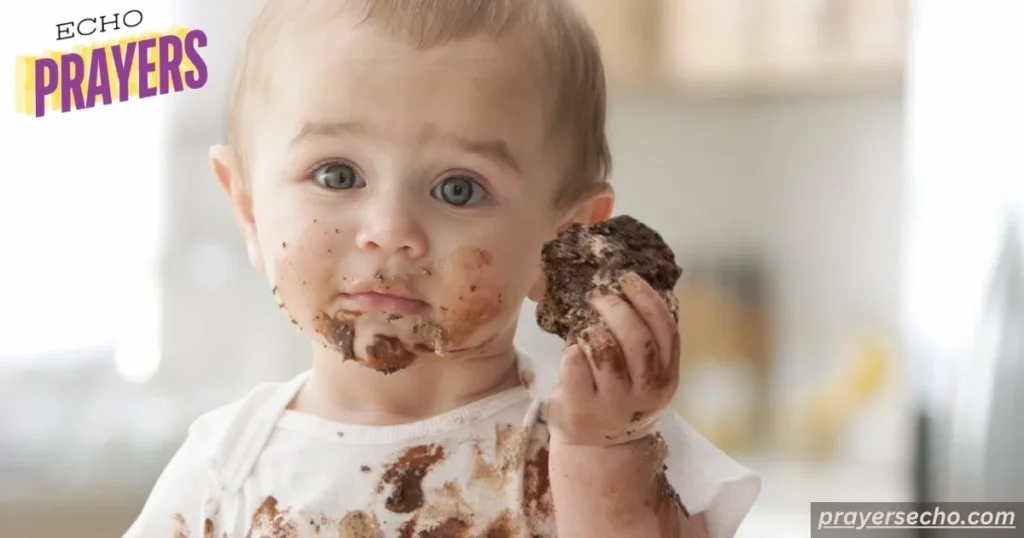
(614, 470)
(617, 491)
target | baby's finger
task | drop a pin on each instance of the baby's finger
(574, 375)
(609, 366)
(655, 313)
(629, 330)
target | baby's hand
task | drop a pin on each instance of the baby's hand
(617, 381)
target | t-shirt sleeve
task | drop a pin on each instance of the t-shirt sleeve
(183, 500)
(706, 479)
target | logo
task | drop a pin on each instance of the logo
(137, 66)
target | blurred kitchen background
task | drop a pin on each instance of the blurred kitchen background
(838, 178)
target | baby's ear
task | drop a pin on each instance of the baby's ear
(593, 207)
(226, 168)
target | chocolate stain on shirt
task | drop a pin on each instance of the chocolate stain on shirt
(180, 526)
(340, 335)
(504, 526)
(510, 447)
(359, 524)
(408, 529)
(387, 354)
(269, 522)
(538, 504)
(405, 476)
(453, 527)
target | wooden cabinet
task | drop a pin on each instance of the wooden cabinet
(751, 46)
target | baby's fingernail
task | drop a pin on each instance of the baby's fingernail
(597, 292)
(630, 279)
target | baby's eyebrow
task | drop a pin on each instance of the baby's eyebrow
(493, 149)
(332, 129)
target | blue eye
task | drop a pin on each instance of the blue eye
(338, 176)
(459, 191)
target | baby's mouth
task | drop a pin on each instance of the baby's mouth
(388, 303)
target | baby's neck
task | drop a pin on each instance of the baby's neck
(351, 393)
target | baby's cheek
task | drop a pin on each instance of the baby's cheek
(476, 296)
(301, 277)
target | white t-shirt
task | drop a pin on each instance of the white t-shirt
(256, 469)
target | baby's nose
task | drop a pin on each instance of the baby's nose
(388, 228)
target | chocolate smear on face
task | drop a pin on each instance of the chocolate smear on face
(405, 476)
(475, 301)
(340, 335)
(432, 336)
(359, 524)
(387, 354)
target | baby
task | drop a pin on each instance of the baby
(395, 167)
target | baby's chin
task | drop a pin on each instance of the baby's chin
(389, 343)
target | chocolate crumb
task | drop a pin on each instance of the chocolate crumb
(284, 244)
(585, 258)
(406, 475)
(364, 468)
(637, 416)
(472, 288)
(392, 317)
(426, 272)
(341, 434)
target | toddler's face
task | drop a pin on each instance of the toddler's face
(400, 197)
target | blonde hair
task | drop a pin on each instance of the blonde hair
(558, 32)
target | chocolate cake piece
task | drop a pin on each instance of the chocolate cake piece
(583, 258)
